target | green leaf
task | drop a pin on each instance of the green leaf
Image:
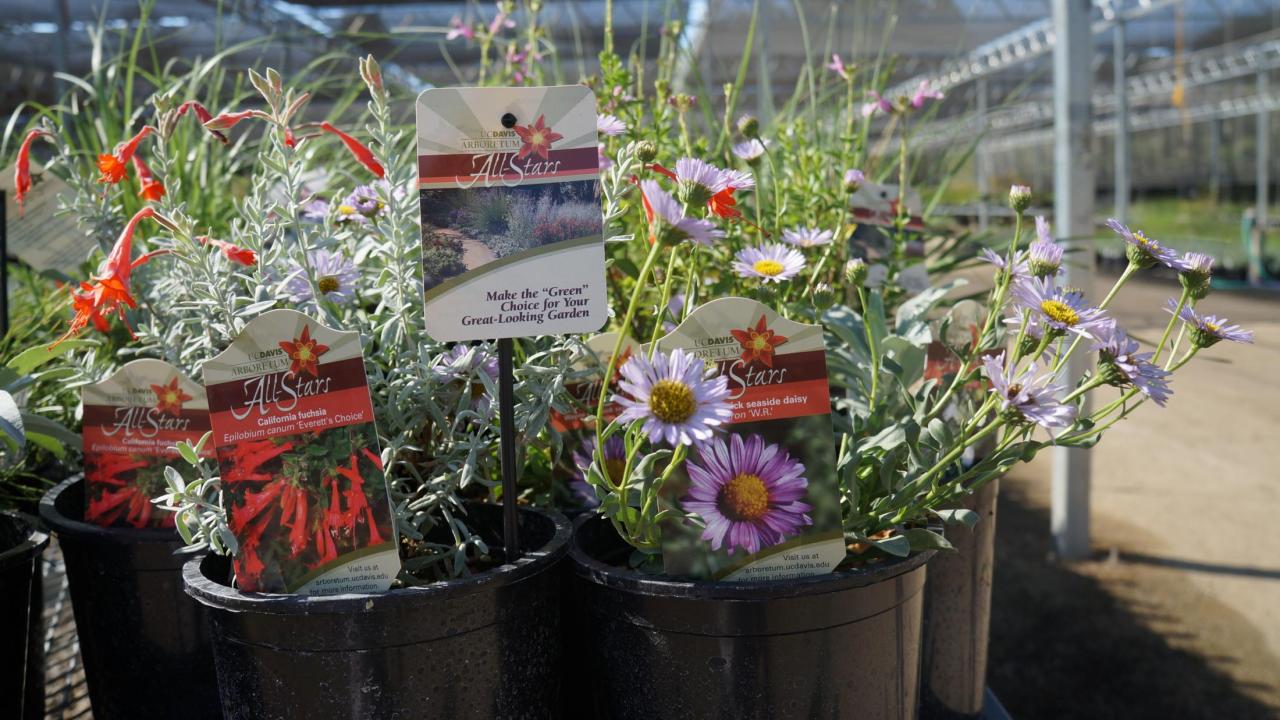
(898, 545)
(188, 453)
(11, 421)
(962, 516)
(31, 358)
(922, 539)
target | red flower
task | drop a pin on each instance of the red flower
(234, 253)
(363, 154)
(203, 116)
(115, 167)
(758, 343)
(22, 168)
(305, 353)
(169, 398)
(249, 567)
(357, 504)
(109, 289)
(537, 139)
(152, 189)
(248, 458)
(296, 506)
(255, 505)
(226, 121)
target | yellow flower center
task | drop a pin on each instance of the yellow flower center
(1059, 311)
(744, 497)
(328, 284)
(171, 398)
(1212, 328)
(772, 268)
(536, 137)
(1143, 240)
(671, 401)
(304, 353)
(759, 343)
(346, 210)
(1013, 391)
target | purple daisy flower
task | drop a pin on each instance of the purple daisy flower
(365, 200)
(1027, 397)
(615, 460)
(739, 179)
(708, 177)
(749, 492)
(462, 362)
(335, 278)
(673, 396)
(750, 150)
(1208, 330)
(1142, 250)
(1197, 274)
(1122, 364)
(1059, 309)
(771, 263)
(807, 237)
(609, 125)
(1044, 257)
(1020, 269)
(668, 211)
(316, 210)
(853, 180)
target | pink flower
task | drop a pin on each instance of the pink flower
(923, 94)
(837, 66)
(458, 29)
(878, 102)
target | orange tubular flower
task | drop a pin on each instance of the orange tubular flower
(204, 117)
(226, 121)
(22, 169)
(109, 289)
(152, 189)
(234, 253)
(115, 167)
(363, 154)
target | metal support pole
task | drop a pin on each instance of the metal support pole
(1263, 154)
(1215, 159)
(982, 171)
(1121, 182)
(1073, 192)
(764, 93)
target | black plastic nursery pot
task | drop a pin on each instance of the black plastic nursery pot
(21, 618)
(144, 643)
(842, 645)
(957, 615)
(487, 646)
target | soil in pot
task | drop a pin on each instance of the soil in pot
(21, 618)
(843, 645)
(482, 647)
(144, 643)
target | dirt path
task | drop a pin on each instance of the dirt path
(474, 252)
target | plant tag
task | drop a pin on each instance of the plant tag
(298, 452)
(133, 422)
(576, 424)
(512, 233)
(38, 235)
(763, 493)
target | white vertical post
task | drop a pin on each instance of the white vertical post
(982, 176)
(1121, 181)
(1073, 193)
(1263, 153)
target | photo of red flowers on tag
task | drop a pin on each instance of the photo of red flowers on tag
(537, 139)
(299, 503)
(123, 487)
(304, 353)
(169, 397)
(758, 343)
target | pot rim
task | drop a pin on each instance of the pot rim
(216, 595)
(30, 548)
(61, 525)
(627, 580)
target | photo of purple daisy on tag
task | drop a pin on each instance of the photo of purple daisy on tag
(748, 492)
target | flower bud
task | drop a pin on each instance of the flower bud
(682, 102)
(855, 272)
(749, 126)
(853, 180)
(1197, 275)
(646, 151)
(1019, 198)
(823, 296)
